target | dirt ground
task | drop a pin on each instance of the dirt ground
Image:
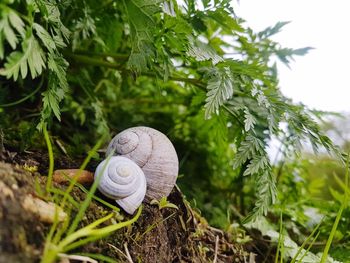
(159, 235)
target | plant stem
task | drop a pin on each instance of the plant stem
(93, 61)
(306, 242)
(98, 62)
(122, 57)
(14, 103)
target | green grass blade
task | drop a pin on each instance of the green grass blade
(57, 191)
(82, 167)
(50, 249)
(309, 247)
(51, 159)
(279, 245)
(114, 227)
(83, 232)
(154, 225)
(306, 241)
(87, 200)
(331, 235)
(96, 234)
(81, 242)
(63, 227)
(337, 219)
(38, 190)
(82, 188)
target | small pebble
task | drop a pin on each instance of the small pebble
(63, 176)
(45, 211)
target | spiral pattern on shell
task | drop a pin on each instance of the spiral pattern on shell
(154, 153)
(123, 180)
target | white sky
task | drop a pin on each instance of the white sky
(320, 79)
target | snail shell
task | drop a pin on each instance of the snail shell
(123, 180)
(154, 153)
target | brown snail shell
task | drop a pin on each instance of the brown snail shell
(153, 152)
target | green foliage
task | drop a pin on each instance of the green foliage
(343, 205)
(200, 75)
(163, 203)
(10, 21)
(142, 26)
(316, 208)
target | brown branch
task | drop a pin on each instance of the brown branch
(102, 63)
(118, 56)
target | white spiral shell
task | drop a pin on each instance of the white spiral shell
(154, 153)
(123, 180)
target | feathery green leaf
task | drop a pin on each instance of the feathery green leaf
(32, 57)
(220, 89)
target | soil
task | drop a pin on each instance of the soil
(159, 235)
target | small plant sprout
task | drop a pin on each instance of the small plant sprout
(163, 203)
(82, 236)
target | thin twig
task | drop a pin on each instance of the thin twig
(77, 257)
(216, 249)
(1, 141)
(61, 146)
(155, 225)
(127, 253)
(216, 230)
(118, 250)
(252, 257)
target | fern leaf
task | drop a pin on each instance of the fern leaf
(140, 15)
(248, 148)
(18, 62)
(257, 164)
(266, 195)
(45, 37)
(269, 31)
(16, 22)
(58, 65)
(51, 102)
(202, 52)
(57, 88)
(9, 21)
(286, 55)
(249, 120)
(84, 28)
(220, 89)
(51, 13)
